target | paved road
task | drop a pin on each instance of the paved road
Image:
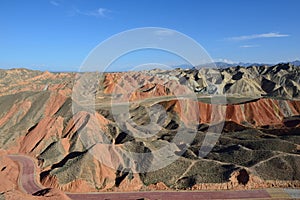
(260, 194)
(27, 171)
(29, 184)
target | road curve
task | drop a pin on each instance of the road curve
(29, 184)
(27, 174)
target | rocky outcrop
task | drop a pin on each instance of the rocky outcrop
(84, 150)
(280, 80)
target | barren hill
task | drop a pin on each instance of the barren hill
(252, 115)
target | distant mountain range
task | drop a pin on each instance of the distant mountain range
(226, 64)
(296, 63)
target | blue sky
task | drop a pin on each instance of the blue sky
(57, 35)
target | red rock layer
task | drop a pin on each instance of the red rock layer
(258, 113)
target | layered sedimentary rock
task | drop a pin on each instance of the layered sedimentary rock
(254, 112)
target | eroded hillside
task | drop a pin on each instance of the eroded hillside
(252, 115)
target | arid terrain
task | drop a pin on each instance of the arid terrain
(71, 125)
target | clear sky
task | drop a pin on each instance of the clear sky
(57, 35)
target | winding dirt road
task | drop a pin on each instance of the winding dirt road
(28, 182)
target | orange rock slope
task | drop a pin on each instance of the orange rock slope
(37, 119)
(257, 113)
